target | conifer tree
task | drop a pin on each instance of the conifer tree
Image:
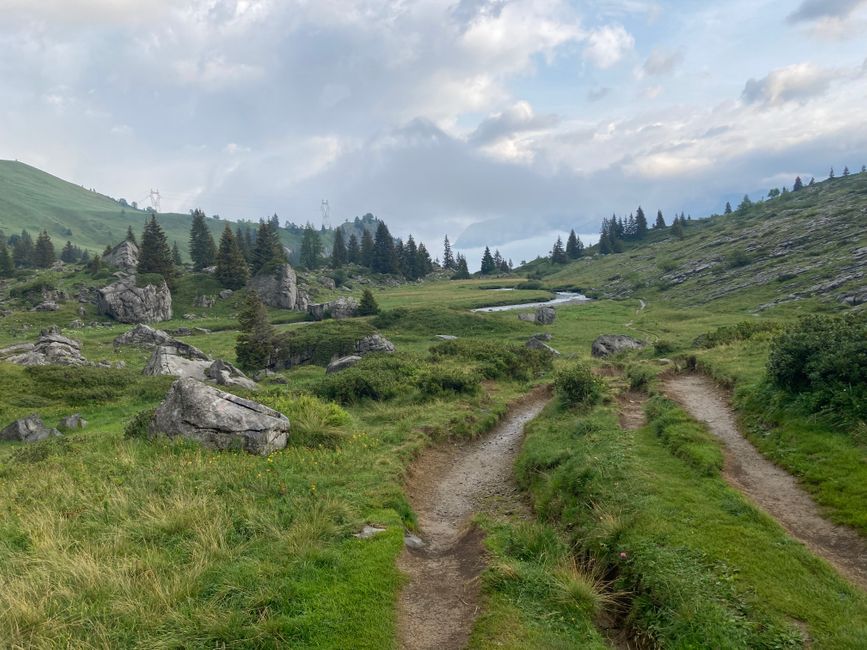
(845, 171)
(95, 265)
(863, 169)
(368, 305)
(68, 254)
(812, 181)
(22, 250)
(574, 247)
(660, 220)
(311, 248)
(130, 235)
(268, 250)
(461, 270)
(366, 254)
(43, 252)
(488, 265)
(423, 264)
(232, 272)
(728, 209)
(155, 256)
(353, 252)
(677, 229)
(384, 259)
(255, 344)
(410, 258)
(202, 249)
(605, 239)
(798, 184)
(558, 255)
(831, 174)
(746, 204)
(7, 264)
(176, 255)
(339, 254)
(448, 257)
(640, 224)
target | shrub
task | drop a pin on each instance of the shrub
(312, 420)
(442, 381)
(144, 279)
(663, 346)
(368, 305)
(738, 258)
(639, 377)
(496, 360)
(319, 343)
(376, 377)
(31, 292)
(732, 333)
(576, 384)
(139, 425)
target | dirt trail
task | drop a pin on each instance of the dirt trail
(773, 489)
(447, 486)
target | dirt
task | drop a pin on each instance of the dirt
(632, 409)
(770, 487)
(447, 486)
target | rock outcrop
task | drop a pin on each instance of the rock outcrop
(29, 429)
(609, 344)
(51, 348)
(219, 420)
(224, 373)
(343, 307)
(143, 336)
(545, 315)
(178, 359)
(342, 363)
(373, 343)
(280, 289)
(72, 422)
(536, 344)
(124, 256)
(126, 302)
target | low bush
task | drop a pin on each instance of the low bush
(576, 384)
(496, 360)
(319, 343)
(733, 333)
(438, 381)
(312, 420)
(139, 425)
(376, 377)
(31, 292)
(640, 377)
(144, 279)
(87, 386)
(738, 258)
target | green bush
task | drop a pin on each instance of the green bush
(663, 346)
(81, 386)
(496, 360)
(31, 292)
(576, 384)
(732, 333)
(640, 377)
(312, 420)
(436, 381)
(319, 343)
(738, 258)
(823, 359)
(139, 425)
(378, 377)
(144, 279)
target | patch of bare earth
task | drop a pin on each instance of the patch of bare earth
(447, 486)
(770, 487)
(632, 409)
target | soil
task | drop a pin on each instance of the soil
(769, 486)
(632, 410)
(447, 487)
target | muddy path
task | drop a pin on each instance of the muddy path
(770, 487)
(447, 486)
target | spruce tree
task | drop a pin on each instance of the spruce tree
(176, 255)
(255, 344)
(384, 259)
(831, 174)
(7, 264)
(68, 254)
(22, 250)
(130, 235)
(845, 171)
(448, 257)
(423, 264)
(155, 256)
(311, 248)
(43, 252)
(660, 220)
(863, 169)
(268, 250)
(728, 209)
(558, 255)
(202, 249)
(798, 184)
(353, 252)
(95, 265)
(488, 265)
(232, 272)
(410, 258)
(339, 254)
(746, 204)
(368, 305)
(574, 247)
(605, 239)
(640, 224)
(677, 229)
(461, 270)
(366, 254)
(812, 181)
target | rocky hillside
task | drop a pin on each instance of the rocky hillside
(806, 244)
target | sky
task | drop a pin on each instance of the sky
(497, 122)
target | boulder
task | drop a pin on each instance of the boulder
(545, 315)
(536, 344)
(343, 307)
(219, 420)
(124, 256)
(543, 336)
(51, 348)
(327, 282)
(29, 429)
(280, 289)
(74, 421)
(143, 336)
(445, 337)
(527, 318)
(226, 294)
(609, 344)
(373, 343)
(46, 306)
(128, 303)
(224, 373)
(178, 359)
(342, 363)
(204, 302)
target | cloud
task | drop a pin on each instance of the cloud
(517, 119)
(794, 83)
(596, 94)
(607, 45)
(661, 62)
(810, 10)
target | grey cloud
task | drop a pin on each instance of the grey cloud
(810, 10)
(661, 62)
(596, 94)
(796, 83)
(517, 119)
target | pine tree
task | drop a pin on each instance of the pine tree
(574, 247)
(232, 272)
(488, 265)
(68, 254)
(831, 174)
(155, 256)
(812, 181)
(43, 252)
(339, 254)
(366, 253)
(677, 229)
(130, 235)
(863, 169)
(384, 259)
(410, 260)
(95, 265)
(176, 255)
(461, 270)
(22, 250)
(746, 204)
(311, 248)
(605, 239)
(255, 345)
(367, 306)
(7, 264)
(728, 209)
(558, 255)
(353, 253)
(798, 184)
(660, 220)
(202, 249)
(268, 251)
(845, 171)
(640, 224)
(448, 257)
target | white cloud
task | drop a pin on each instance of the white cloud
(795, 83)
(608, 45)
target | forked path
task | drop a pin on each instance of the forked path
(773, 489)
(447, 486)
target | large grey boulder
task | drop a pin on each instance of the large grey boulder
(219, 420)
(51, 348)
(224, 373)
(373, 343)
(128, 303)
(279, 288)
(545, 315)
(609, 344)
(536, 344)
(29, 429)
(143, 336)
(342, 363)
(74, 421)
(178, 359)
(343, 307)
(124, 256)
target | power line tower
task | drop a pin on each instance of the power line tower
(326, 213)
(155, 200)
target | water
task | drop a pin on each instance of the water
(560, 298)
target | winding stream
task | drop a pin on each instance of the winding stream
(560, 298)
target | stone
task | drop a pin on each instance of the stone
(543, 336)
(369, 531)
(219, 420)
(127, 303)
(527, 318)
(204, 302)
(327, 282)
(74, 421)
(342, 363)
(178, 359)
(124, 256)
(46, 306)
(76, 324)
(545, 315)
(609, 344)
(29, 429)
(413, 541)
(374, 343)
(536, 344)
(225, 294)
(224, 373)
(280, 289)
(343, 307)
(445, 337)
(143, 336)
(51, 348)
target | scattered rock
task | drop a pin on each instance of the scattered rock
(46, 306)
(536, 344)
(74, 421)
(374, 343)
(445, 337)
(51, 348)
(143, 336)
(204, 302)
(29, 429)
(342, 363)
(224, 373)
(280, 289)
(128, 303)
(545, 315)
(225, 294)
(219, 420)
(178, 359)
(369, 531)
(77, 324)
(413, 541)
(343, 307)
(609, 344)
(543, 336)
(124, 256)
(327, 282)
